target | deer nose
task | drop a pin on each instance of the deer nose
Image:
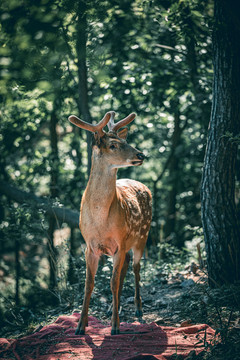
(140, 156)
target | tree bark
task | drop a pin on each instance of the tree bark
(82, 71)
(54, 163)
(219, 215)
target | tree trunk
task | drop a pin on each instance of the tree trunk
(82, 71)
(155, 230)
(52, 254)
(219, 216)
(169, 229)
(17, 271)
(54, 162)
(54, 158)
(72, 278)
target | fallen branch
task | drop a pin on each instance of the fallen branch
(63, 214)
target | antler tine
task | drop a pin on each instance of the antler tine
(111, 121)
(90, 127)
(123, 122)
(99, 127)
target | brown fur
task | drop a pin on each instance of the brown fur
(115, 217)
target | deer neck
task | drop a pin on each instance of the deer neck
(101, 188)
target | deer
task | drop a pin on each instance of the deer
(115, 215)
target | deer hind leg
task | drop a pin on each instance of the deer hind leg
(122, 277)
(118, 261)
(91, 269)
(137, 254)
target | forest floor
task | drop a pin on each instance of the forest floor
(176, 298)
(183, 298)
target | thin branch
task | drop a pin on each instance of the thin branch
(171, 48)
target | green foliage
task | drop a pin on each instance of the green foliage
(22, 248)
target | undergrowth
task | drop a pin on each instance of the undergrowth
(217, 307)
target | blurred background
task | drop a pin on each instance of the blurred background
(65, 57)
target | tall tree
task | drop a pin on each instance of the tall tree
(53, 194)
(81, 48)
(219, 215)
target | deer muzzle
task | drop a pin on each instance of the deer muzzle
(140, 157)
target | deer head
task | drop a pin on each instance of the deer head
(112, 146)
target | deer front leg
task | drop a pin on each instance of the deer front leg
(118, 261)
(91, 269)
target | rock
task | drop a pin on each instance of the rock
(205, 299)
(164, 281)
(103, 299)
(187, 283)
(129, 300)
(159, 321)
(146, 300)
(153, 291)
(161, 303)
(186, 323)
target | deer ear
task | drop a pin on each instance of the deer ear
(122, 133)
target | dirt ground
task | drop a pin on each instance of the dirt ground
(169, 302)
(178, 298)
(182, 299)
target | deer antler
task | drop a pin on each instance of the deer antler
(90, 127)
(108, 119)
(114, 127)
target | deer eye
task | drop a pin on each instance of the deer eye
(112, 146)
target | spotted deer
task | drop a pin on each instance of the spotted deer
(115, 215)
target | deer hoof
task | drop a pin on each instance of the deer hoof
(115, 332)
(79, 332)
(139, 313)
